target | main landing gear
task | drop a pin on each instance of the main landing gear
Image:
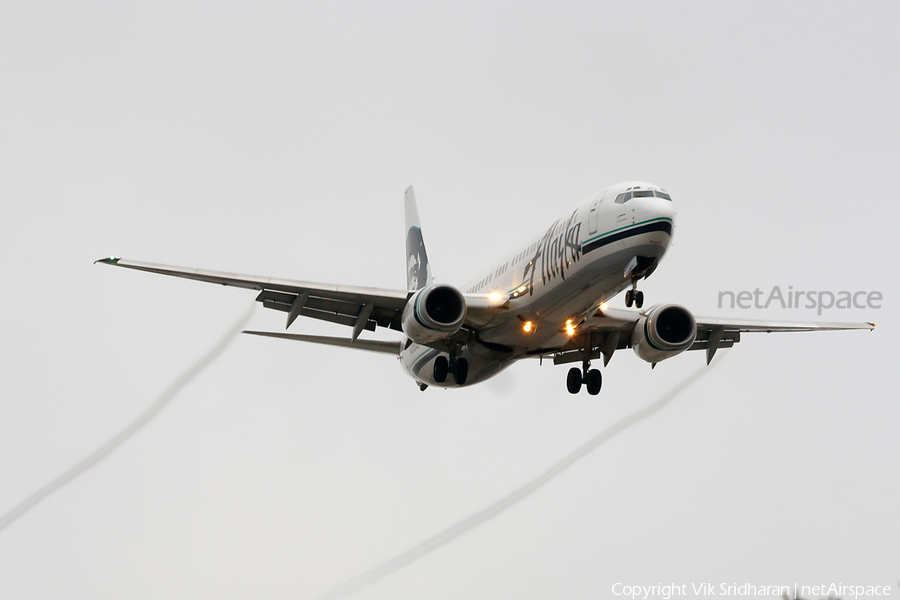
(591, 378)
(633, 296)
(458, 367)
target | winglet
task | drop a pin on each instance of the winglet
(109, 260)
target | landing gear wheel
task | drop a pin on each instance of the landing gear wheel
(573, 380)
(629, 298)
(594, 382)
(639, 299)
(461, 372)
(441, 366)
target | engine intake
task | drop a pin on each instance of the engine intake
(664, 332)
(433, 313)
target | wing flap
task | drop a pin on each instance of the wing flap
(712, 333)
(750, 325)
(362, 308)
(395, 299)
(617, 318)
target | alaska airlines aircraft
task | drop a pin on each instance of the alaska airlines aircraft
(548, 300)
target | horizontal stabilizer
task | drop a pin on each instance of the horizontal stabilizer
(370, 345)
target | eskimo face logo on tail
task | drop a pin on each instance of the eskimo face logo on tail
(557, 251)
(416, 260)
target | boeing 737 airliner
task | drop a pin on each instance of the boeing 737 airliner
(548, 300)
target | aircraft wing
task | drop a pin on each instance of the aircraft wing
(611, 329)
(358, 307)
(713, 334)
(748, 325)
(613, 319)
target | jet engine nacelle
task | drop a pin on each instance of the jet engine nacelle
(433, 313)
(663, 332)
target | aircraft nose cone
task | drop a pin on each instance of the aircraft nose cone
(655, 208)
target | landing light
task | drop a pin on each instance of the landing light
(528, 327)
(570, 329)
(604, 306)
(521, 289)
(496, 296)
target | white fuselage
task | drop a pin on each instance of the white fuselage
(583, 259)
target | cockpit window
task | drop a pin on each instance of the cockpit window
(623, 198)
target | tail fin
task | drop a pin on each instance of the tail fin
(418, 269)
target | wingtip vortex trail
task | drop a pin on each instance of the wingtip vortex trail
(355, 584)
(124, 435)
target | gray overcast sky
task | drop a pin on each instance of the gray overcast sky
(277, 139)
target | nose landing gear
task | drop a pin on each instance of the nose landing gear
(633, 296)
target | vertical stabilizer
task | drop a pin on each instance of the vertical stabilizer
(418, 269)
